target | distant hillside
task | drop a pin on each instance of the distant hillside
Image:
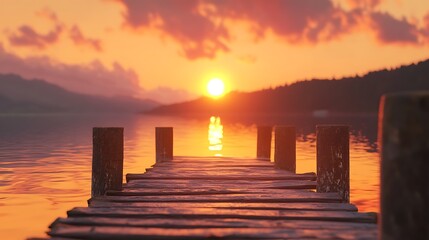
(347, 95)
(18, 95)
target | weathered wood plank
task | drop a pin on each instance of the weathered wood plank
(254, 162)
(211, 163)
(199, 191)
(211, 197)
(260, 177)
(219, 184)
(224, 169)
(213, 158)
(237, 205)
(224, 172)
(292, 197)
(243, 171)
(197, 213)
(210, 223)
(101, 232)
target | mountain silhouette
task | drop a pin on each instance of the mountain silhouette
(19, 95)
(360, 94)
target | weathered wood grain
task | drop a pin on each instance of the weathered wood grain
(211, 165)
(217, 176)
(297, 197)
(208, 169)
(285, 148)
(163, 144)
(263, 142)
(199, 191)
(237, 205)
(197, 213)
(226, 198)
(210, 223)
(333, 159)
(91, 232)
(218, 184)
(213, 158)
(107, 160)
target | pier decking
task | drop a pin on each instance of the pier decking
(216, 197)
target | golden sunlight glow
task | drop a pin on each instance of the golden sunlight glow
(215, 87)
(215, 135)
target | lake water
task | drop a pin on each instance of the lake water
(45, 160)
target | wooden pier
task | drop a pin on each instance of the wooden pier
(213, 197)
(231, 198)
(246, 198)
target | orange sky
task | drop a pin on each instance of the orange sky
(168, 50)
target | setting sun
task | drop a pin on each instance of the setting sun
(215, 87)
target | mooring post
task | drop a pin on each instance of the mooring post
(263, 143)
(333, 160)
(285, 148)
(107, 160)
(404, 153)
(164, 143)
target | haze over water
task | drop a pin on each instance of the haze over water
(45, 160)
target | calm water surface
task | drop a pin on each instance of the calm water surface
(45, 160)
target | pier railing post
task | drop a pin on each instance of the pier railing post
(333, 160)
(263, 145)
(285, 148)
(107, 160)
(404, 142)
(164, 143)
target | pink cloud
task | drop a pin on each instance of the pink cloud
(295, 21)
(27, 36)
(182, 21)
(425, 30)
(392, 30)
(199, 25)
(93, 78)
(48, 14)
(79, 39)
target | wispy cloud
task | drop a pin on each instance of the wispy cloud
(184, 21)
(203, 27)
(425, 29)
(79, 39)
(27, 36)
(93, 78)
(392, 30)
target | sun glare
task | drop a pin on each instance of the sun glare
(215, 87)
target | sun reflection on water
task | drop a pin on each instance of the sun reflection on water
(215, 135)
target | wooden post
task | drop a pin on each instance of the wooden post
(333, 161)
(285, 148)
(263, 145)
(164, 143)
(404, 142)
(107, 160)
